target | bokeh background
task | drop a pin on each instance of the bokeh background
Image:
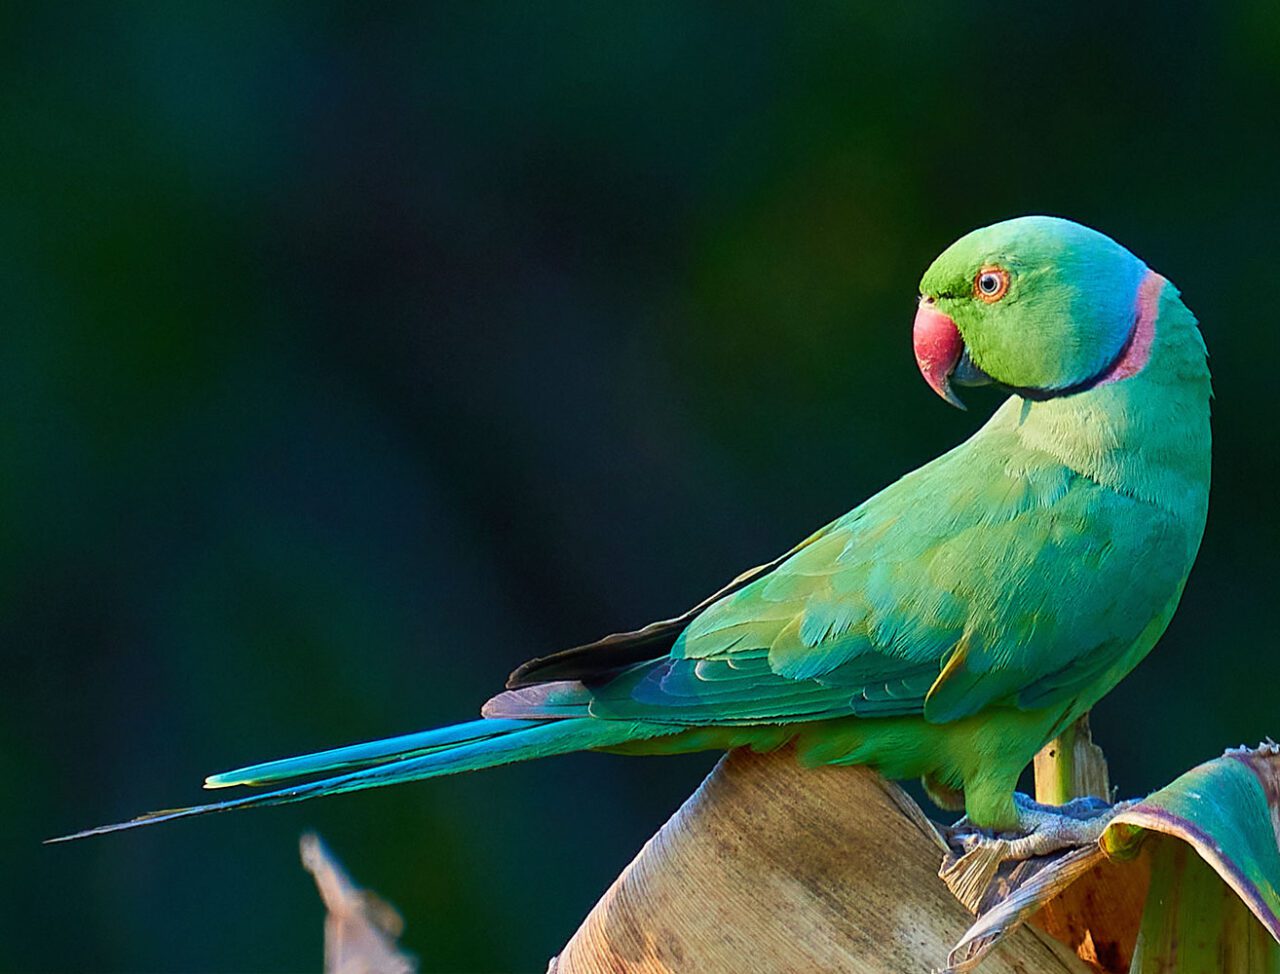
(351, 355)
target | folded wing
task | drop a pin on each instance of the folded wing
(953, 590)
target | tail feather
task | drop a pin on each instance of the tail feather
(363, 755)
(530, 739)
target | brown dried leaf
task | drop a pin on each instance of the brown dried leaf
(1094, 899)
(360, 928)
(772, 867)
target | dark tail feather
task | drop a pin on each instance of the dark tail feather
(520, 741)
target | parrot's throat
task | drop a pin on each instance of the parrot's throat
(1134, 353)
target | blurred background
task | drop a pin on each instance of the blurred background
(354, 354)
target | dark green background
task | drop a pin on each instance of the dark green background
(351, 355)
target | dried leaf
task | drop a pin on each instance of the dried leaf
(360, 929)
(772, 867)
(1096, 899)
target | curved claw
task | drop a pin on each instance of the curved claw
(1042, 829)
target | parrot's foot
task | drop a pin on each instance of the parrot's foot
(1042, 829)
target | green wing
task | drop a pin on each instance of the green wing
(992, 576)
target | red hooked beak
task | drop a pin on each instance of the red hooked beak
(939, 348)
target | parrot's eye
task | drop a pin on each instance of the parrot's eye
(991, 283)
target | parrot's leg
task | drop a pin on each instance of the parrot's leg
(1041, 830)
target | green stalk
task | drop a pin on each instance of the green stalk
(1072, 766)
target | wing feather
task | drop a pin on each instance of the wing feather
(990, 577)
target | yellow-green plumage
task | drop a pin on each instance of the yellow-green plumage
(956, 621)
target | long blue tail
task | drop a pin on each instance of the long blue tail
(364, 755)
(446, 750)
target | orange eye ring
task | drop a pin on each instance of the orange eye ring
(990, 284)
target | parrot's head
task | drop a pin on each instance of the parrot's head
(1039, 304)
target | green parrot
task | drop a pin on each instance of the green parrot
(946, 628)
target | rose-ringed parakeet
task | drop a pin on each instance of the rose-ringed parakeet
(949, 626)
